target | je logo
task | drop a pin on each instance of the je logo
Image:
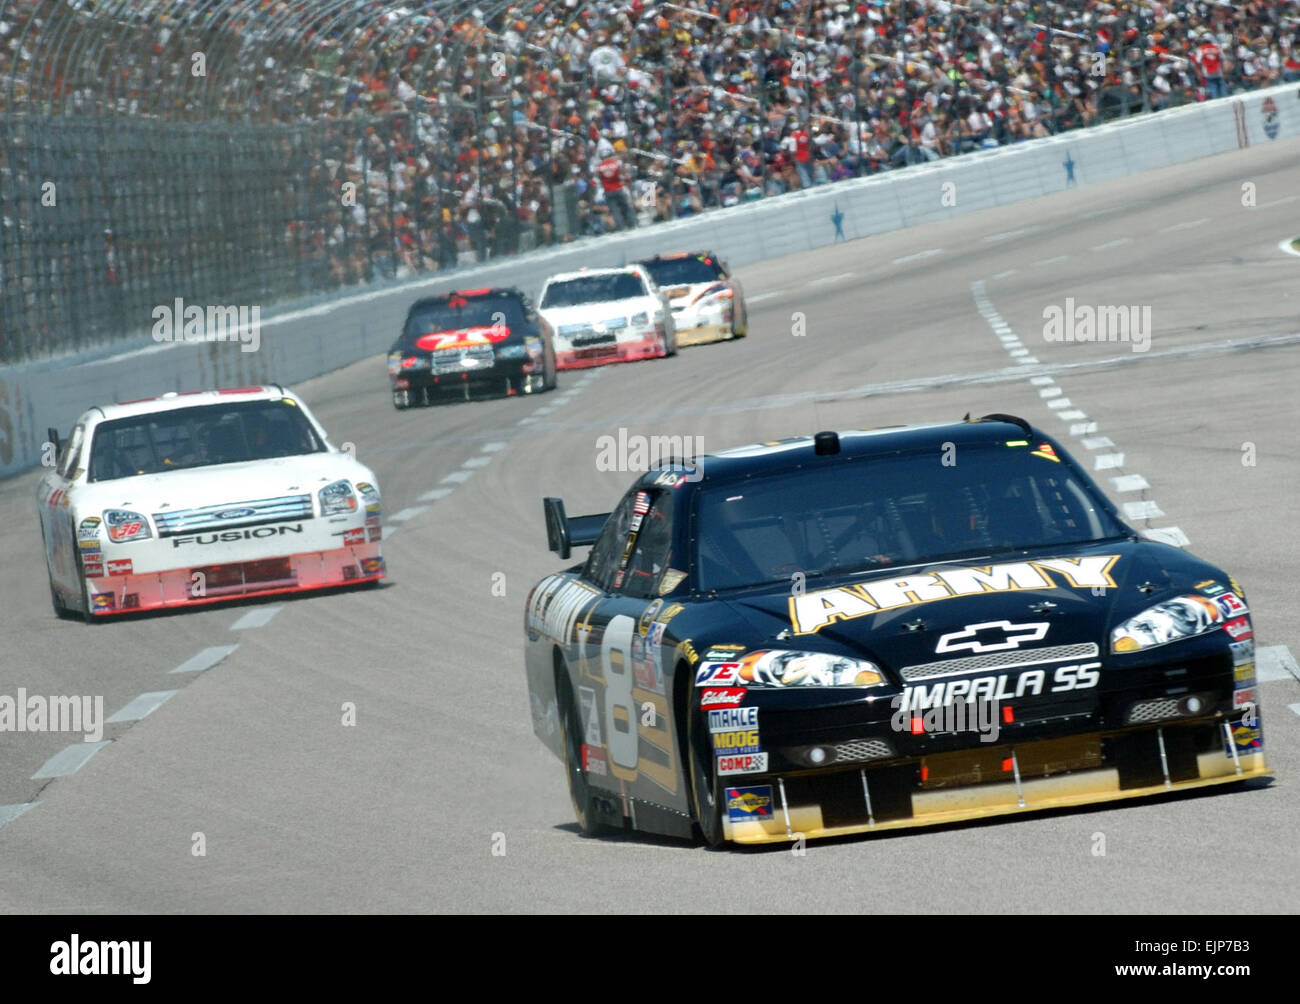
(1001, 634)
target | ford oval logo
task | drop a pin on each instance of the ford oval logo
(235, 513)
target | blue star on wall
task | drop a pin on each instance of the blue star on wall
(838, 219)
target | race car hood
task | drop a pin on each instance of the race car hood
(1026, 599)
(222, 483)
(589, 313)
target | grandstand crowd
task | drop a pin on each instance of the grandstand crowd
(435, 138)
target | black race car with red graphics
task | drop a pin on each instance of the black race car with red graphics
(468, 342)
(875, 630)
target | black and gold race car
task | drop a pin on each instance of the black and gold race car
(872, 630)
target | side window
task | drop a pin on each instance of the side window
(652, 524)
(608, 551)
(71, 458)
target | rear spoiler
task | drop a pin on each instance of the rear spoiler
(564, 533)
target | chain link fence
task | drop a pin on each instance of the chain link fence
(244, 152)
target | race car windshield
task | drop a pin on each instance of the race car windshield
(593, 289)
(460, 312)
(683, 271)
(858, 515)
(200, 437)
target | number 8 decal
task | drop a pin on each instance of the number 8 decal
(620, 710)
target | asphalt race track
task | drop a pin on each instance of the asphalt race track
(439, 798)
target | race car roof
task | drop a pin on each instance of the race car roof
(779, 456)
(173, 400)
(621, 270)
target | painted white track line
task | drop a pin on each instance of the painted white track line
(437, 493)
(409, 513)
(8, 813)
(206, 659)
(260, 617)
(142, 706)
(69, 760)
(1275, 662)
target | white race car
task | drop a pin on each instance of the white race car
(607, 315)
(707, 302)
(201, 497)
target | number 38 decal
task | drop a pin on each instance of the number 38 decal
(636, 720)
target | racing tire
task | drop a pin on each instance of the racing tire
(670, 344)
(61, 610)
(401, 399)
(87, 613)
(580, 793)
(706, 785)
(738, 332)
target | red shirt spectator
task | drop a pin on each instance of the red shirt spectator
(611, 174)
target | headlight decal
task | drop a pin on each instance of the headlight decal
(1170, 621)
(337, 498)
(124, 525)
(781, 668)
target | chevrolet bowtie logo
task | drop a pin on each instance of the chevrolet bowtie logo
(999, 634)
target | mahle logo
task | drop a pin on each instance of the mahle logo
(639, 454)
(179, 322)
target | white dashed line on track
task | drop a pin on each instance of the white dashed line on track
(827, 279)
(769, 295)
(1141, 510)
(477, 462)
(1187, 225)
(1097, 442)
(1278, 202)
(1071, 416)
(457, 477)
(388, 531)
(492, 447)
(1083, 428)
(1275, 662)
(206, 659)
(1107, 461)
(8, 813)
(1006, 235)
(1060, 402)
(69, 760)
(142, 706)
(918, 256)
(260, 617)
(1130, 483)
(1053, 261)
(435, 495)
(408, 513)
(1168, 535)
(1052, 391)
(1003, 275)
(1112, 244)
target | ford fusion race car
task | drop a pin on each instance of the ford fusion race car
(707, 302)
(607, 315)
(849, 633)
(199, 497)
(471, 340)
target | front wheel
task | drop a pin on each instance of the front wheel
(706, 786)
